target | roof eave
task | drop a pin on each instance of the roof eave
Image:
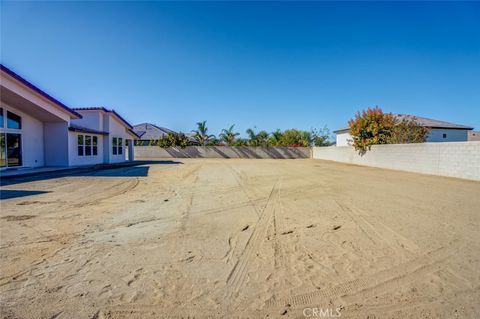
(86, 130)
(131, 131)
(450, 128)
(343, 130)
(40, 92)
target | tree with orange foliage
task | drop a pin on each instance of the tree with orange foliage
(407, 130)
(371, 127)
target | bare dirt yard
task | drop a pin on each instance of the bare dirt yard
(241, 238)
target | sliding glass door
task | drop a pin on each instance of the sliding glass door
(10, 149)
(10, 138)
(14, 149)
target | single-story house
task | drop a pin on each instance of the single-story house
(440, 131)
(38, 130)
(147, 132)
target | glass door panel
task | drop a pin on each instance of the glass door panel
(3, 151)
(14, 150)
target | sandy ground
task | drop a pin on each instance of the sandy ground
(241, 238)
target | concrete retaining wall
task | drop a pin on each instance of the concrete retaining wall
(146, 152)
(455, 159)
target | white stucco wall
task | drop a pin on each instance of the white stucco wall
(56, 143)
(106, 122)
(343, 139)
(32, 137)
(50, 143)
(75, 159)
(454, 159)
(116, 129)
(92, 119)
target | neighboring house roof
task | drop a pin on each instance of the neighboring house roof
(148, 131)
(342, 130)
(191, 137)
(423, 121)
(37, 90)
(103, 109)
(426, 122)
(81, 129)
(133, 133)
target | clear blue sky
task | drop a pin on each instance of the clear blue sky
(269, 65)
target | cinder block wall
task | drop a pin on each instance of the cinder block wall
(146, 152)
(455, 159)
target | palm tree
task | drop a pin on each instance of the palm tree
(252, 137)
(228, 136)
(276, 138)
(201, 133)
(262, 138)
(257, 139)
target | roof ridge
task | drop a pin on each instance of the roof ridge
(104, 109)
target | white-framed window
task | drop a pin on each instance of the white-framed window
(87, 145)
(10, 120)
(80, 145)
(14, 121)
(117, 146)
(94, 145)
(120, 146)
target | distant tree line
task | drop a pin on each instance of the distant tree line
(230, 137)
(369, 127)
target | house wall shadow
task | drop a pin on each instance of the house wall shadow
(131, 169)
(14, 193)
(135, 171)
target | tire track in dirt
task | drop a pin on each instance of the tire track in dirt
(245, 189)
(194, 173)
(237, 275)
(280, 254)
(110, 192)
(419, 302)
(378, 283)
(177, 247)
(380, 234)
(143, 311)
